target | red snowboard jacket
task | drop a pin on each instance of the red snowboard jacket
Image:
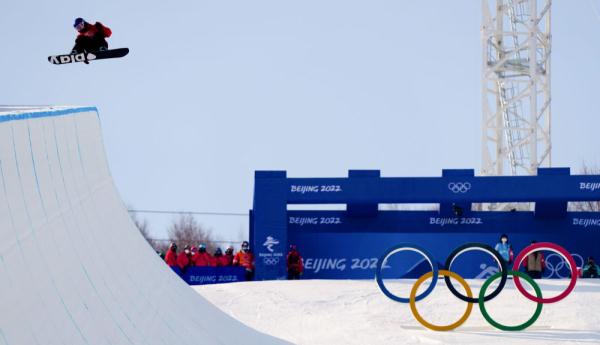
(171, 258)
(202, 259)
(229, 258)
(294, 262)
(221, 260)
(95, 31)
(182, 260)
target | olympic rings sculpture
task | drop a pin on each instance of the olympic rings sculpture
(481, 298)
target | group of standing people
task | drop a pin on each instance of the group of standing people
(192, 256)
(199, 256)
(535, 264)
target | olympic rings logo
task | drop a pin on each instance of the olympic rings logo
(555, 269)
(459, 187)
(482, 297)
(271, 261)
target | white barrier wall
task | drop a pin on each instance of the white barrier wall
(73, 267)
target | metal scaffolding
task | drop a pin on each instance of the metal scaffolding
(516, 86)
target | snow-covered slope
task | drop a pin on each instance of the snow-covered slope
(356, 312)
(73, 267)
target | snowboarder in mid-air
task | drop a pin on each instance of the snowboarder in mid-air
(91, 38)
(90, 44)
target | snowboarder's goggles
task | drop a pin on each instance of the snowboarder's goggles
(502, 275)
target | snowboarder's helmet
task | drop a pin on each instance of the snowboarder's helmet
(78, 21)
(218, 251)
(79, 24)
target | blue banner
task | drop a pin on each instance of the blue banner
(347, 244)
(335, 246)
(197, 275)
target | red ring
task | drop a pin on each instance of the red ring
(552, 247)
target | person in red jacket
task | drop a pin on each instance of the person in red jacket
(183, 259)
(245, 258)
(220, 259)
(171, 256)
(294, 263)
(229, 255)
(91, 38)
(202, 257)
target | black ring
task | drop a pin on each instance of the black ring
(468, 246)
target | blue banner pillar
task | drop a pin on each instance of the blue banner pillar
(552, 209)
(458, 181)
(269, 229)
(363, 209)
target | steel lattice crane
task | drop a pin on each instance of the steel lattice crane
(516, 86)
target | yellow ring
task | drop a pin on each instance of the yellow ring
(413, 306)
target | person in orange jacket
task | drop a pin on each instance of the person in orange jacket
(245, 258)
(294, 263)
(220, 259)
(202, 257)
(171, 256)
(183, 259)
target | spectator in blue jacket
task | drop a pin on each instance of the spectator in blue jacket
(505, 249)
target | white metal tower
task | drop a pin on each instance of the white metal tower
(516, 86)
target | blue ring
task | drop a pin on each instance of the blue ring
(395, 249)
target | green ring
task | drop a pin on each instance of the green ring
(502, 327)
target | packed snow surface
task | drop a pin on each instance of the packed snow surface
(356, 312)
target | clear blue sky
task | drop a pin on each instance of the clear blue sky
(213, 90)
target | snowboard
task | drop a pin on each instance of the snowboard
(83, 57)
